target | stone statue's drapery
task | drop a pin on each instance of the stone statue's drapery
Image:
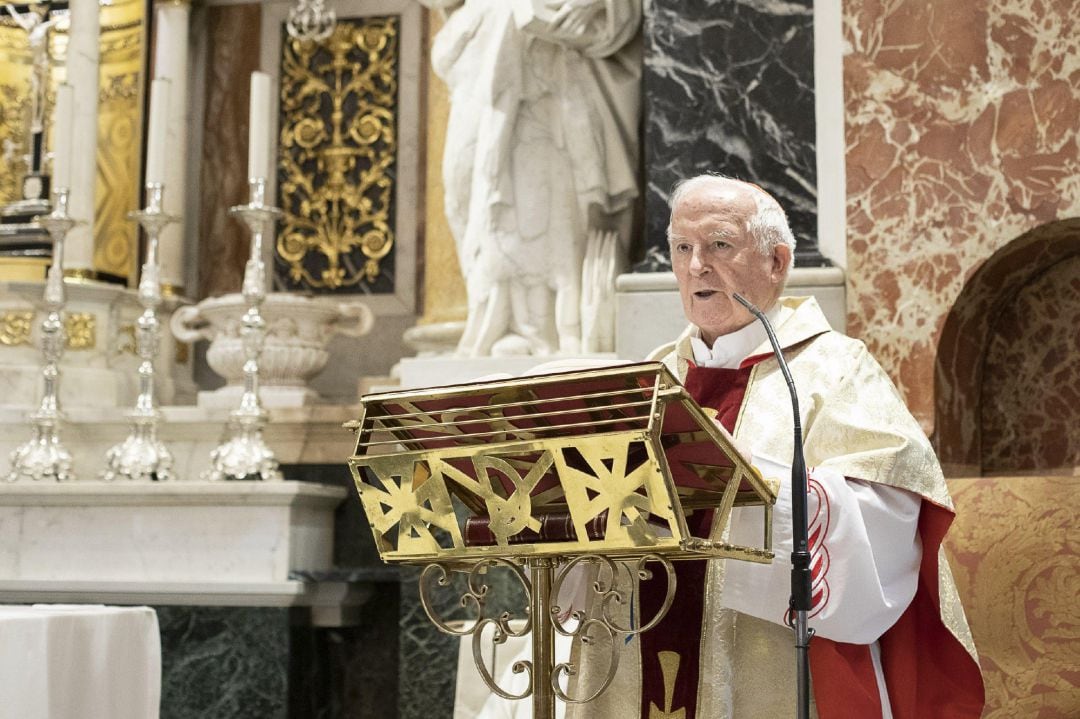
(541, 159)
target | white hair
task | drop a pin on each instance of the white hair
(768, 226)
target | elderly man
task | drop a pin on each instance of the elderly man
(892, 640)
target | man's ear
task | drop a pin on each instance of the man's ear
(781, 262)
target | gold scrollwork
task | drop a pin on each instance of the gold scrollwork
(121, 46)
(81, 328)
(338, 144)
(15, 328)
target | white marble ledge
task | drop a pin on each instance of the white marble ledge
(332, 604)
(297, 435)
(194, 493)
(250, 533)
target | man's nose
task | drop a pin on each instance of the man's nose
(698, 265)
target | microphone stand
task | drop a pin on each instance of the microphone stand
(800, 555)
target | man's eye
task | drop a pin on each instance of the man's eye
(682, 247)
(720, 244)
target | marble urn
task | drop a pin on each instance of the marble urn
(298, 331)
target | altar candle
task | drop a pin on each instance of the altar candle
(62, 137)
(259, 127)
(159, 115)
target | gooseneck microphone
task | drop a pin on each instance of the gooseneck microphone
(801, 581)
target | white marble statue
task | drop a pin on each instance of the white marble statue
(540, 166)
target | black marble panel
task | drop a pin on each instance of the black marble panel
(729, 88)
(396, 648)
(428, 660)
(348, 672)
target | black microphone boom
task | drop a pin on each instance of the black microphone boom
(800, 553)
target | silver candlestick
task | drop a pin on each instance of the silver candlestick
(44, 457)
(142, 456)
(245, 454)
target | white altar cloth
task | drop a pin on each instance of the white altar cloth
(79, 662)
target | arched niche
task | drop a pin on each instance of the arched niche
(1009, 361)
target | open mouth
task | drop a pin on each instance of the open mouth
(705, 294)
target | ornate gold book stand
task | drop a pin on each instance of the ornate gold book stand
(543, 474)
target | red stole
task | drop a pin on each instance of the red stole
(928, 672)
(674, 687)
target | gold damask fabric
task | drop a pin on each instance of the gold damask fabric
(1015, 550)
(854, 422)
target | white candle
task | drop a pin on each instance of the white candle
(156, 140)
(259, 127)
(62, 137)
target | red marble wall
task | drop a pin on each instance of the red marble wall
(961, 136)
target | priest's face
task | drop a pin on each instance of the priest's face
(714, 255)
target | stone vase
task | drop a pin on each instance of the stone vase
(298, 331)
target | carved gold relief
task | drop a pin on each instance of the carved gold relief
(337, 151)
(15, 328)
(81, 328)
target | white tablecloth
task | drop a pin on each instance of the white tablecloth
(79, 662)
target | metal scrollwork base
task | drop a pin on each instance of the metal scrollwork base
(598, 617)
(474, 601)
(610, 585)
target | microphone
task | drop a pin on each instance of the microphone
(801, 581)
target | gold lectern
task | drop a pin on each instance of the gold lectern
(545, 473)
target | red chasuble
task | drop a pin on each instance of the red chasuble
(928, 672)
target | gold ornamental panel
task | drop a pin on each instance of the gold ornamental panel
(121, 74)
(336, 162)
(81, 329)
(14, 106)
(120, 91)
(17, 328)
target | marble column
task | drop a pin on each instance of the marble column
(729, 88)
(172, 23)
(83, 56)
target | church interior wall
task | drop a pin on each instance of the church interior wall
(961, 136)
(928, 150)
